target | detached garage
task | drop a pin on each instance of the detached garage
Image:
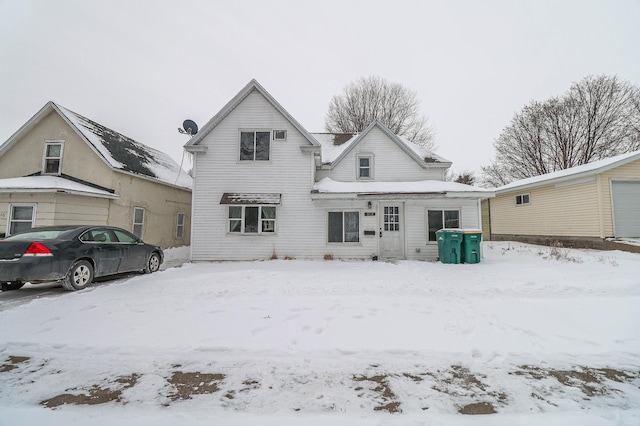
(625, 196)
(593, 205)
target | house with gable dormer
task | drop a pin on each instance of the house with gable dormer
(264, 187)
(61, 168)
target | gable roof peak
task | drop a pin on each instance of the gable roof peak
(116, 150)
(253, 85)
(422, 156)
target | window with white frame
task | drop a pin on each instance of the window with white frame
(522, 199)
(138, 221)
(52, 162)
(254, 146)
(279, 135)
(391, 218)
(180, 225)
(21, 217)
(343, 227)
(439, 219)
(365, 166)
(252, 219)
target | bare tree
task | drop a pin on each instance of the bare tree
(374, 98)
(467, 177)
(597, 118)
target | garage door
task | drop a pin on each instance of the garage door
(626, 208)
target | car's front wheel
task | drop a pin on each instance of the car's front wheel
(79, 276)
(11, 285)
(153, 264)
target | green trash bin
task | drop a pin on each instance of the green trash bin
(471, 245)
(449, 245)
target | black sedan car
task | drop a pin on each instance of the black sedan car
(73, 255)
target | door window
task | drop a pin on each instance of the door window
(391, 218)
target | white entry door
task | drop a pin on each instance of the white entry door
(391, 231)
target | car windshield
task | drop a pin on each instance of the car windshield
(43, 234)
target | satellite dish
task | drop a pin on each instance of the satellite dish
(190, 127)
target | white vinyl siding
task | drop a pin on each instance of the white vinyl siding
(395, 165)
(302, 222)
(417, 243)
(300, 227)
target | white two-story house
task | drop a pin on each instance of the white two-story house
(264, 187)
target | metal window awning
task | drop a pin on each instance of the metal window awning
(238, 198)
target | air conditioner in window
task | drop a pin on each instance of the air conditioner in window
(279, 135)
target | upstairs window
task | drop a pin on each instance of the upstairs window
(52, 158)
(254, 146)
(522, 199)
(365, 166)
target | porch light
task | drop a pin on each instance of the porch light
(369, 205)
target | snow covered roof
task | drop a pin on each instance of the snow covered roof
(118, 151)
(585, 170)
(449, 189)
(332, 144)
(124, 153)
(52, 184)
(335, 146)
(426, 155)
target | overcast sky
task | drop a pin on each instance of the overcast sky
(142, 67)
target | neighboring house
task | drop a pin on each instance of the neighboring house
(62, 168)
(584, 206)
(264, 187)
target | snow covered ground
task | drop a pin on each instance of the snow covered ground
(536, 335)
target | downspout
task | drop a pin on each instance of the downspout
(489, 214)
